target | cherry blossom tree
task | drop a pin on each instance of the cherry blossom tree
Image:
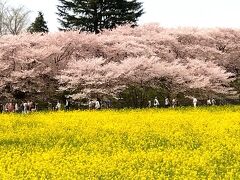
(177, 60)
(85, 76)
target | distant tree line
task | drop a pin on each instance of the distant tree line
(127, 65)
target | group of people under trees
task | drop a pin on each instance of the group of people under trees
(92, 104)
(29, 106)
(167, 103)
(174, 102)
(210, 102)
(59, 106)
(22, 107)
(98, 104)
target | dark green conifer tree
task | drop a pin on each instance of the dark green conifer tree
(96, 15)
(39, 25)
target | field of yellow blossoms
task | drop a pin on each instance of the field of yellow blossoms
(201, 143)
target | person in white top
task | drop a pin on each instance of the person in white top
(174, 102)
(209, 102)
(91, 104)
(25, 106)
(58, 106)
(195, 102)
(149, 103)
(16, 107)
(97, 104)
(213, 102)
(167, 103)
(156, 102)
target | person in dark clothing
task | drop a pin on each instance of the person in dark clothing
(67, 105)
(1, 108)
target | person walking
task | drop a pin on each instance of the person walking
(174, 102)
(91, 104)
(1, 108)
(213, 102)
(58, 106)
(166, 102)
(67, 105)
(209, 102)
(6, 107)
(10, 107)
(156, 102)
(16, 107)
(97, 104)
(34, 107)
(21, 108)
(29, 106)
(108, 103)
(149, 103)
(195, 102)
(25, 107)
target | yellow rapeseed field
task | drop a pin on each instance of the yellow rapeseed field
(202, 143)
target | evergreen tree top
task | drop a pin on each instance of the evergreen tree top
(96, 15)
(39, 25)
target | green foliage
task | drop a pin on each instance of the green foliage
(39, 25)
(96, 15)
(138, 96)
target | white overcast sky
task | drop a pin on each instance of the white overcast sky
(168, 13)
